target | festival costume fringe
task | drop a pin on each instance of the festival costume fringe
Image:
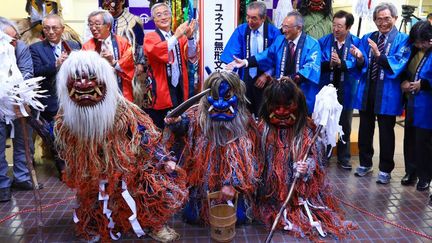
(210, 167)
(120, 156)
(281, 154)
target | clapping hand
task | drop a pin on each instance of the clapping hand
(374, 47)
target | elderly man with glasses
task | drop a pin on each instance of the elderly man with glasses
(114, 48)
(382, 56)
(294, 54)
(167, 53)
(247, 40)
(48, 56)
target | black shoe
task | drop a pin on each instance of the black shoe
(24, 185)
(345, 165)
(422, 185)
(5, 194)
(409, 179)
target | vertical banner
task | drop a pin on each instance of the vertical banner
(218, 20)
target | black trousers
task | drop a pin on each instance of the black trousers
(409, 148)
(423, 153)
(343, 149)
(386, 125)
(253, 93)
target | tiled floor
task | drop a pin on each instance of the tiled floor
(399, 205)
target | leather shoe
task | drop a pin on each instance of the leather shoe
(5, 194)
(409, 179)
(422, 185)
(24, 185)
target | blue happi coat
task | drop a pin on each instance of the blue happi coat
(420, 103)
(239, 44)
(388, 96)
(349, 77)
(307, 61)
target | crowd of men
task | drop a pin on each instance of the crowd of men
(377, 74)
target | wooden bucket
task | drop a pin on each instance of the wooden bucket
(222, 219)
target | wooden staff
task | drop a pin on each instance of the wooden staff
(36, 194)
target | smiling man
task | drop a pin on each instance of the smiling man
(295, 54)
(115, 49)
(247, 40)
(167, 53)
(382, 55)
(338, 67)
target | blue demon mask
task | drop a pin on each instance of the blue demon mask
(224, 107)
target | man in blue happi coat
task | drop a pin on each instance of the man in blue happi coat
(247, 40)
(338, 67)
(294, 54)
(382, 55)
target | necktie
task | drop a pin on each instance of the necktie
(57, 51)
(254, 51)
(291, 46)
(172, 59)
(374, 73)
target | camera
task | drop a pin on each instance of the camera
(408, 10)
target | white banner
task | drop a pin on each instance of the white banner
(218, 20)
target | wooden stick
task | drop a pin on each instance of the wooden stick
(287, 199)
(36, 194)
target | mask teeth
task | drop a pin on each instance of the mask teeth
(231, 109)
(210, 108)
(271, 115)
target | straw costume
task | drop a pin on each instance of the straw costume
(286, 134)
(218, 140)
(114, 158)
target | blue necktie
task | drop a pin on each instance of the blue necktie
(56, 50)
(254, 51)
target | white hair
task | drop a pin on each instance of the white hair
(89, 122)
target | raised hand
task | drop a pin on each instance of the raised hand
(356, 53)
(374, 47)
(190, 29)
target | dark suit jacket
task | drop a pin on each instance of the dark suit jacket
(44, 65)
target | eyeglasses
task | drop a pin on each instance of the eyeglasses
(385, 20)
(286, 27)
(53, 28)
(96, 25)
(163, 14)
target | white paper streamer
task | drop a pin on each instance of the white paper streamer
(315, 224)
(132, 205)
(105, 197)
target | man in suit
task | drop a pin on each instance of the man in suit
(48, 55)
